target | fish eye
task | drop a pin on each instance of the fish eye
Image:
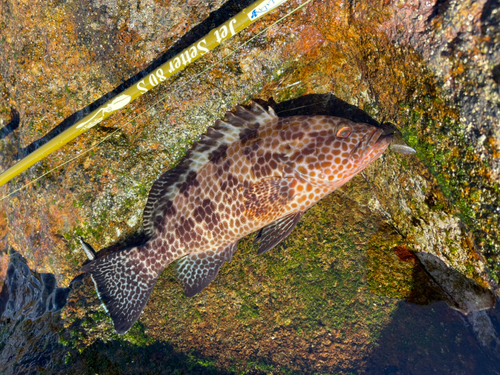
(344, 132)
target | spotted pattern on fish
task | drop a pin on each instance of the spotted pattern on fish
(252, 172)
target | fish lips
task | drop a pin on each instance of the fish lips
(378, 143)
(380, 138)
(384, 140)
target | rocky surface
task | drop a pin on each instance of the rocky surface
(29, 306)
(328, 298)
(27, 294)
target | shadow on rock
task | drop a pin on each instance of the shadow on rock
(459, 292)
(319, 104)
(29, 305)
(119, 357)
(466, 296)
(29, 294)
(448, 324)
(426, 339)
(12, 125)
(32, 333)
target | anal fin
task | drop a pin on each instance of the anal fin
(195, 271)
(272, 234)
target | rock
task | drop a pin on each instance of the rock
(428, 67)
(27, 294)
(462, 294)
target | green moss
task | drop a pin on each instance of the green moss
(327, 293)
(291, 93)
(439, 160)
(136, 335)
(264, 367)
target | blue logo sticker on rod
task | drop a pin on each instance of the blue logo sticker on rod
(264, 8)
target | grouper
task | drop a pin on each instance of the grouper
(254, 171)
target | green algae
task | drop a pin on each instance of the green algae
(440, 160)
(313, 282)
(442, 147)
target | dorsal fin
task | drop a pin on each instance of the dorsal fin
(210, 147)
(272, 234)
(196, 270)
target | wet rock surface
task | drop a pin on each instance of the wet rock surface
(463, 294)
(28, 294)
(29, 306)
(417, 228)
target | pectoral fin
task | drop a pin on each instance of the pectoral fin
(271, 235)
(195, 271)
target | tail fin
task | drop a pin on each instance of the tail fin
(124, 283)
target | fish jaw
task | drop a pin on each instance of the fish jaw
(376, 146)
(370, 147)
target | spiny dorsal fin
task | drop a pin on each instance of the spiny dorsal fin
(195, 271)
(238, 125)
(271, 235)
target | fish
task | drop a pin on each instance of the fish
(403, 149)
(252, 172)
(399, 146)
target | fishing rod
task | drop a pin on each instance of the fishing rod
(179, 62)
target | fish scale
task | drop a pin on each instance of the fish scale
(252, 172)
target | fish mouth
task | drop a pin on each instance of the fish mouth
(372, 145)
(378, 142)
(384, 139)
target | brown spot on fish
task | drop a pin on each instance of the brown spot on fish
(170, 209)
(199, 214)
(232, 181)
(281, 123)
(247, 134)
(190, 181)
(227, 165)
(218, 154)
(308, 150)
(298, 135)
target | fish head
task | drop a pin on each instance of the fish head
(341, 150)
(366, 143)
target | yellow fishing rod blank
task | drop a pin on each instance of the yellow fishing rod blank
(192, 53)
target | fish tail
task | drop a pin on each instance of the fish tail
(124, 281)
